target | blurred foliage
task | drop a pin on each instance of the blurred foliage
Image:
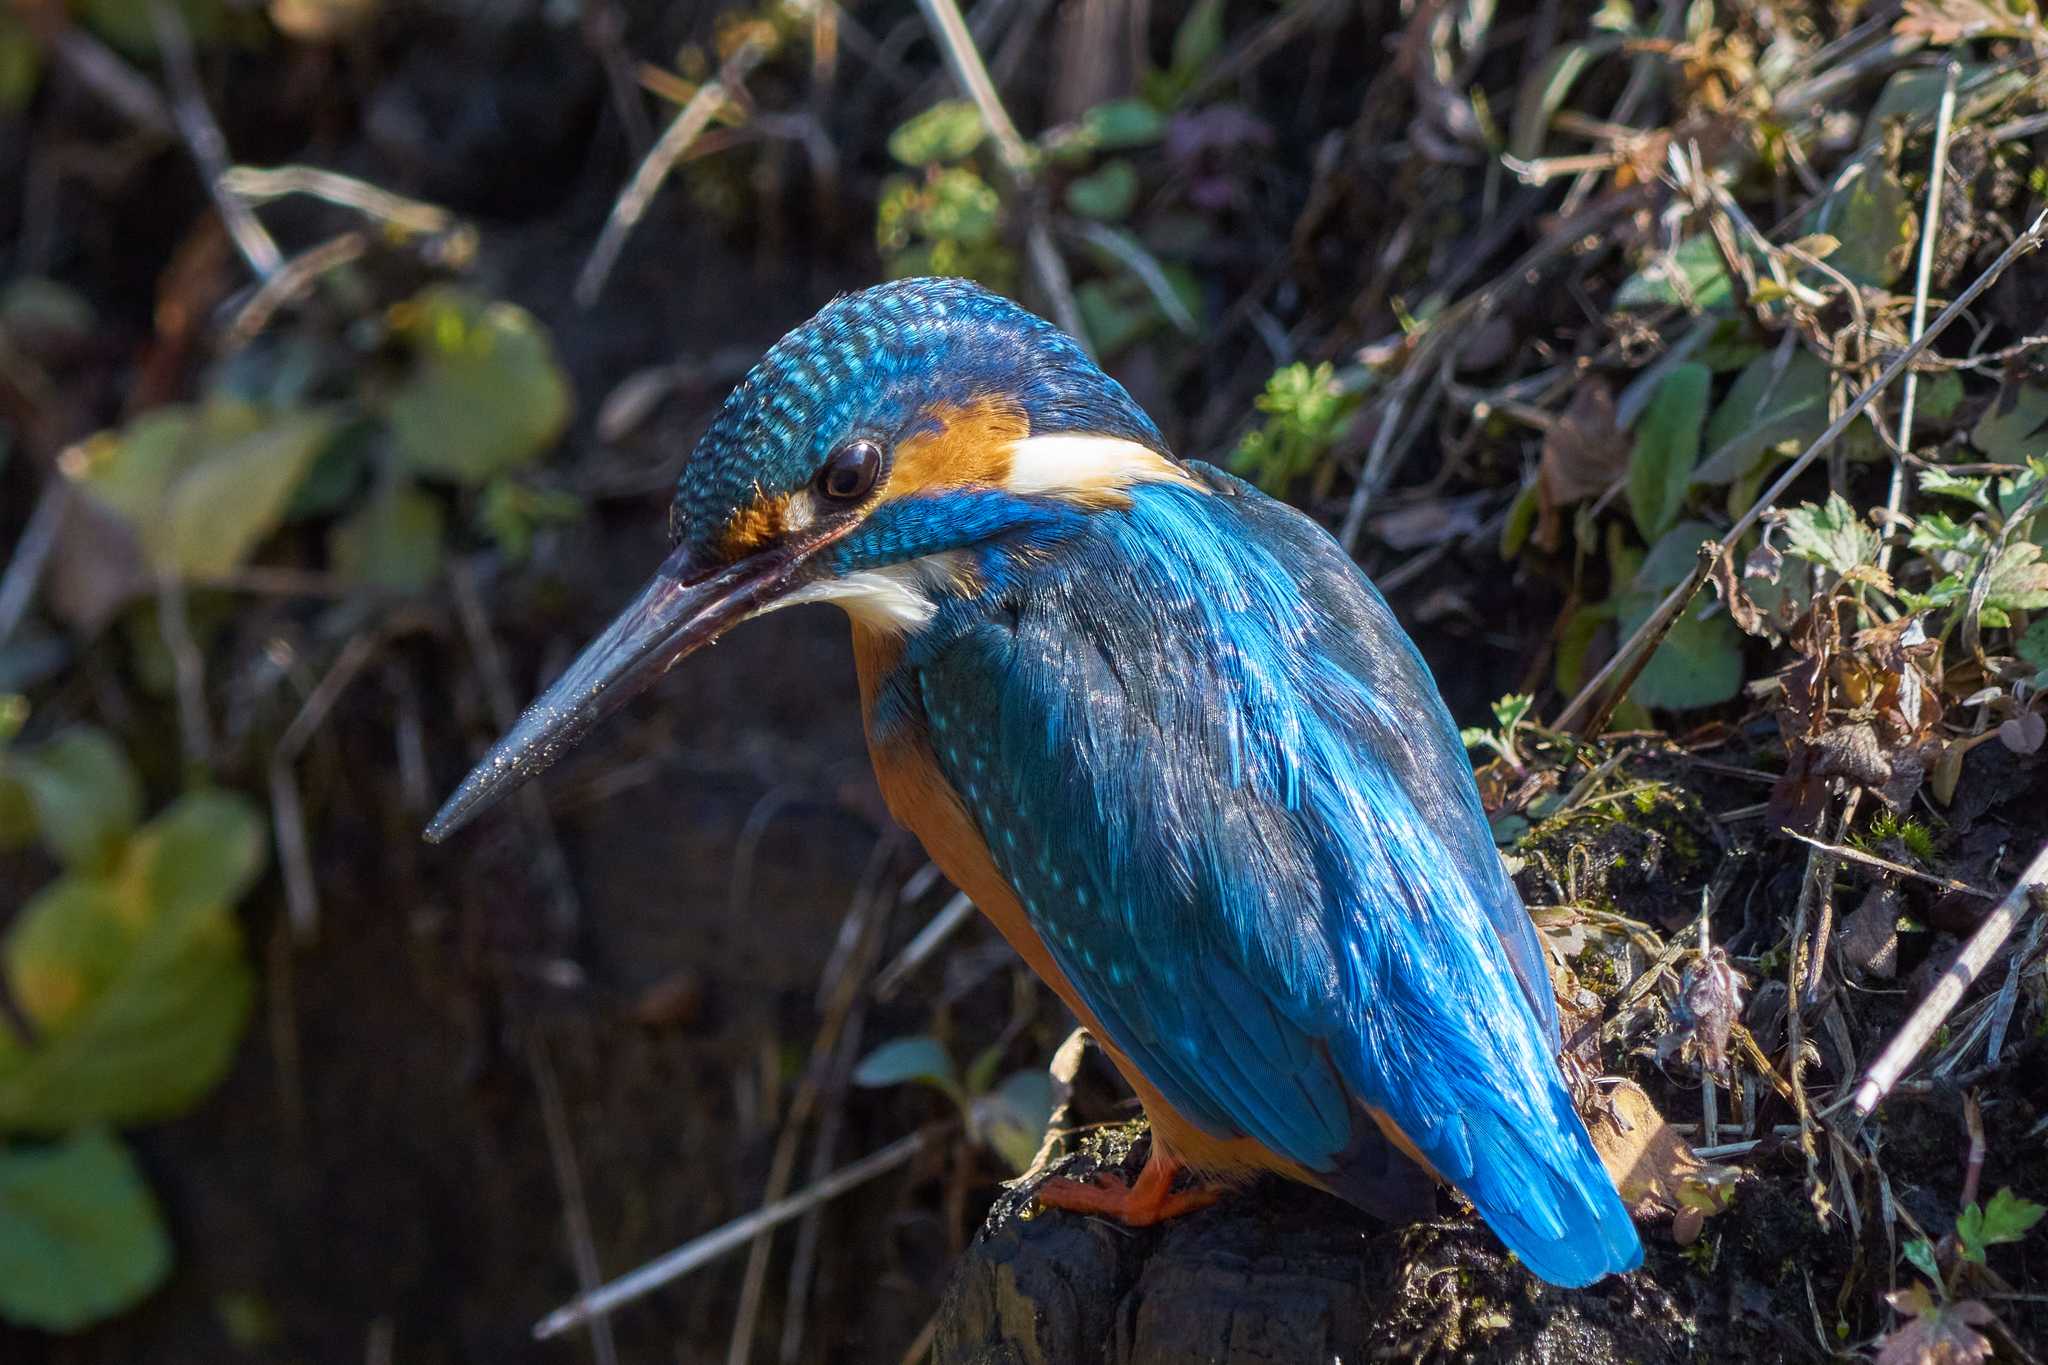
(130, 989)
(1008, 1116)
(467, 393)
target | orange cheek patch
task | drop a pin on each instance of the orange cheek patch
(753, 526)
(970, 447)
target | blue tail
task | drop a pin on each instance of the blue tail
(1547, 1195)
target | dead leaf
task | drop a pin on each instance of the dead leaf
(1935, 1333)
(1709, 1003)
(1584, 454)
(1654, 1170)
(1868, 939)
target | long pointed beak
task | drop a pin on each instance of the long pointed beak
(684, 606)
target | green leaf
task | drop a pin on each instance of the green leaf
(484, 394)
(2032, 645)
(1197, 40)
(2015, 427)
(1011, 1118)
(1874, 222)
(1667, 447)
(392, 541)
(85, 795)
(1108, 194)
(1943, 484)
(921, 1058)
(1120, 124)
(1939, 395)
(1767, 407)
(1831, 534)
(1700, 661)
(2019, 582)
(1545, 90)
(136, 982)
(1697, 262)
(202, 487)
(224, 506)
(948, 131)
(1920, 1252)
(1939, 533)
(2008, 1218)
(81, 1237)
(1511, 710)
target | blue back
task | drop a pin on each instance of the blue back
(1224, 787)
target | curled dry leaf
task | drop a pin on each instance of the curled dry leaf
(1709, 1003)
(1584, 453)
(1935, 1333)
(1655, 1171)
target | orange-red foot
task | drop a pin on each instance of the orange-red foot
(1149, 1199)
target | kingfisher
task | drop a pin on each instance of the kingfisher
(1165, 734)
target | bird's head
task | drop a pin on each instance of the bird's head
(885, 455)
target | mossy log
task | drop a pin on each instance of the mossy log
(1276, 1275)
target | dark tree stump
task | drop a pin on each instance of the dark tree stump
(1279, 1275)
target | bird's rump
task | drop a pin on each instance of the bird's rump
(1229, 800)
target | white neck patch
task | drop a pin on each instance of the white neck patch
(896, 598)
(1078, 466)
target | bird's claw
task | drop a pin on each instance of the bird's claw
(1140, 1203)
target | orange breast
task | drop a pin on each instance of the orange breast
(925, 803)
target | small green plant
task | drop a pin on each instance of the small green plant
(1007, 1116)
(1508, 714)
(1937, 1325)
(1909, 833)
(128, 989)
(1306, 411)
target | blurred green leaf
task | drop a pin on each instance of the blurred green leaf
(921, 1059)
(1544, 91)
(484, 394)
(136, 981)
(81, 1237)
(86, 797)
(1108, 194)
(1938, 395)
(1920, 1252)
(1765, 408)
(1197, 40)
(1874, 221)
(948, 131)
(1667, 447)
(392, 541)
(2015, 426)
(129, 25)
(2032, 645)
(21, 63)
(203, 487)
(219, 511)
(1120, 124)
(1011, 1118)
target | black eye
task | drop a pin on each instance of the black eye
(851, 471)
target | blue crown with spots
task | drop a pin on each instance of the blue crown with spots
(870, 364)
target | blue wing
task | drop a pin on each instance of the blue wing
(1223, 784)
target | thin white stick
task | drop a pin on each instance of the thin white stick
(1920, 1026)
(972, 73)
(943, 925)
(690, 121)
(1930, 220)
(686, 1258)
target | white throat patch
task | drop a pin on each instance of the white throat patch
(897, 598)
